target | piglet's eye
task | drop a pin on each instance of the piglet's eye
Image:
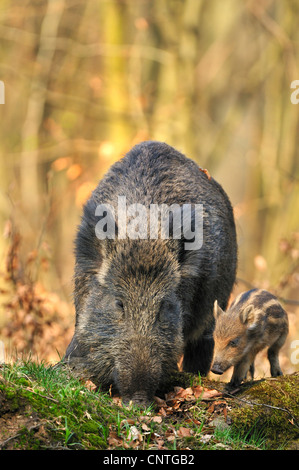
(234, 342)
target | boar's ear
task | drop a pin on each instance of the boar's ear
(217, 310)
(247, 314)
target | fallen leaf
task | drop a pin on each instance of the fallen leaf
(117, 401)
(198, 390)
(160, 401)
(206, 438)
(162, 412)
(127, 421)
(160, 443)
(134, 434)
(178, 390)
(145, 427)
(184, 432)
(114, 440)
(130, 421)
(211, 408)
(191, 420)
(90, 385)
(145, 418)
(170, 434)
(209, 394)
(183, 392)
(157, 419)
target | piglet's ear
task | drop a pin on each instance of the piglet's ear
(217, 310)
(247, 314)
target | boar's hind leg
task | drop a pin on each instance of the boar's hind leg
(198, 355)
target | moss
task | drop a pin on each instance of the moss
(65, 414)
(271, 408)
(27, 439)
(90, 427)
(178, 379)
(71, 415)
(13, 397)
(97, 442)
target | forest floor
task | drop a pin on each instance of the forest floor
(44, 407)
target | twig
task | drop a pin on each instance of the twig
(40, 395)
(35, 426)
(253, 403)
(20, 387)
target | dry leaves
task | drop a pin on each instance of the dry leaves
(179, 396)
(149, 431)
(37, 321)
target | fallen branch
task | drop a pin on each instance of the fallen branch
(253, 403)
(15, 436)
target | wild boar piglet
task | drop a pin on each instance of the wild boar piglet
(254, 321)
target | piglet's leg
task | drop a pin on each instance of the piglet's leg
(240, 372)
(273, 359)
(251, 370)
(273, 352)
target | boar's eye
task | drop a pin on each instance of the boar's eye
(119, 304)
(167, 310)
(234, 342)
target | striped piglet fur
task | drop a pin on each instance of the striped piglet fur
(254, 321)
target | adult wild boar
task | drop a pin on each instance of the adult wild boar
(143, 302)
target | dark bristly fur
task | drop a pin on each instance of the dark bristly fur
(141, 304)
(254, 321)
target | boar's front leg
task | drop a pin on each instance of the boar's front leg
(198, 354)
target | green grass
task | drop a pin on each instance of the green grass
(74, 415)
(254, 438)
(68, 415)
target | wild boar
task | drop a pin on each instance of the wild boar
(254, 321)
(143, 302)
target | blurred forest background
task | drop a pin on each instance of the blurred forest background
(87, 79)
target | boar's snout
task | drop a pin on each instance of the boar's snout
(142, 396)
(139, 398)
(138, 370)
